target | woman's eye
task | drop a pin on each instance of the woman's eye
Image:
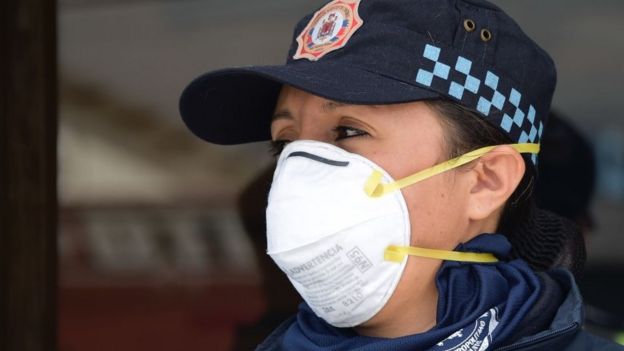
(277, 146)
(344, 132)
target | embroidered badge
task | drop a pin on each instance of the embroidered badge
(475, 337)
(330, 29)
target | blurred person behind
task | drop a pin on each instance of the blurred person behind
(565, 186)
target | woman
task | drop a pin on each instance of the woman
(407, 133)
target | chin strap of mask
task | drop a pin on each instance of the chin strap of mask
(374, 188)
(397, 253)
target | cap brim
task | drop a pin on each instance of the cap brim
(234, 106)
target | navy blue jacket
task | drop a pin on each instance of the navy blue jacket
(565, 332)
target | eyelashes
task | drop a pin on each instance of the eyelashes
(345, 132)
(340, 133)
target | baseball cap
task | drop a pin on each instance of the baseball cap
(386, 52)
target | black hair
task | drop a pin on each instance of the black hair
(544, 240)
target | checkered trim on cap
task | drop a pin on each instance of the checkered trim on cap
(496, 98)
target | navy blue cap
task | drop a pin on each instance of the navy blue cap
(385, 52)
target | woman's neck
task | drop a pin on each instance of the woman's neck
(412, 308)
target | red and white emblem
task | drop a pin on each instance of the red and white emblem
(329, 30)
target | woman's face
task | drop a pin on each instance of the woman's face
(403, 139)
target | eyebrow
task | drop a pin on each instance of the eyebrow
(327, 107)
(332, 105)
(282, 114)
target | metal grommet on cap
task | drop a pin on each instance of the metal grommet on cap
(469, 25)
(486, 35)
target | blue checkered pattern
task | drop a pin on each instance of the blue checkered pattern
(485, 91)
(439, 69)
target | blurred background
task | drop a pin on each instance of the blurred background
(153, 252)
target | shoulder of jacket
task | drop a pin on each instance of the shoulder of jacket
(273, 342)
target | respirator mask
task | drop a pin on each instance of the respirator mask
(338, 226)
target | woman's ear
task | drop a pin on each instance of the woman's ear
(494, 178)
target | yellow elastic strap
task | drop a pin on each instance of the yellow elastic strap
(374, 188)
(397, 253)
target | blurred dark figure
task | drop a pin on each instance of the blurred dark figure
(565, 186)
(567, 173)
(281, 298)
(563, 193)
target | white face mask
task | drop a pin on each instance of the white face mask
(340, 230)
